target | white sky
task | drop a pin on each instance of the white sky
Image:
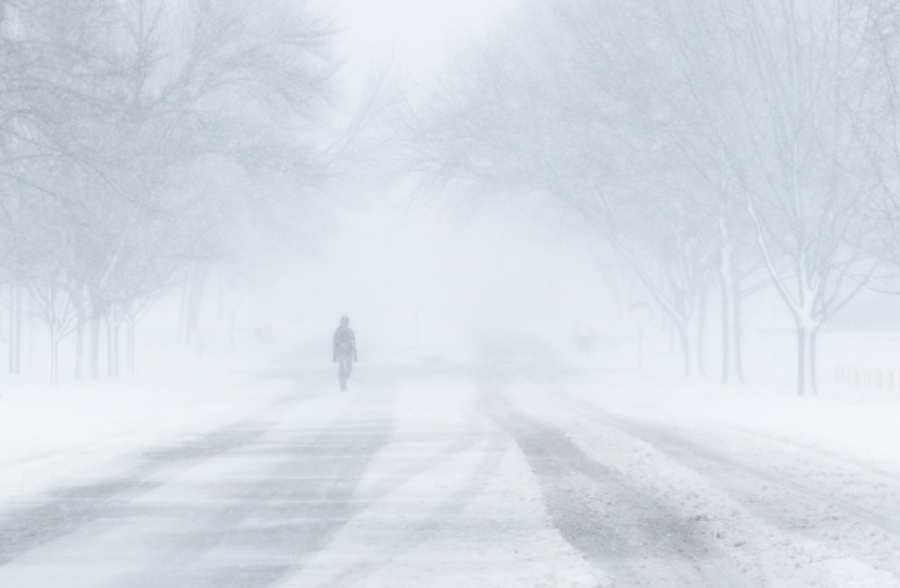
(416, 34)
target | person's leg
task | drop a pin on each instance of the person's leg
(344, 366)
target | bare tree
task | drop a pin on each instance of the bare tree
(801, 71)
(119, 107)
(554, 106)
(686, 131)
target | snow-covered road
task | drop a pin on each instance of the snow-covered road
(468, 479)
(700, 501)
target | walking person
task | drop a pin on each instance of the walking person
(344, 350)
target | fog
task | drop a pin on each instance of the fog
(582, 293)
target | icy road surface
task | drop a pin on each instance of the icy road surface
(550, 480)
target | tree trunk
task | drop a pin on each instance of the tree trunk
(671, 330)
(115, 347)
(15, 328)
(737, 332)
(685, 340)
(727, 351)
(806, 359)
(12, 331)
(182, 314)
(108, 345)
(80, 321)
(30, 337)
(20, 319)
(195, 298)
(726, 283)
(96, 317)
(54, 358)
(701, 335)
(233, 319)
(79, 346)
(129, 335)
(732, 364)
(112, 346)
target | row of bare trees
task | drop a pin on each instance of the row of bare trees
(716, 145)
(134, 137)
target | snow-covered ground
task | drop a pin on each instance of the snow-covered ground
(55, 436)
(470, 477)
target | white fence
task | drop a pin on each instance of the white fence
(867, 378)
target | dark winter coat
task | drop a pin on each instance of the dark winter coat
(344, 343)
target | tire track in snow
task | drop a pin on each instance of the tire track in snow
(245, 529)
(705, 459)
(634, 538)
(63, 511)
(849, 509)
(255, 531)
(430, 523)
(69, 509)
(803, 503)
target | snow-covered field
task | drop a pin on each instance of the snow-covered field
(466, 477)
